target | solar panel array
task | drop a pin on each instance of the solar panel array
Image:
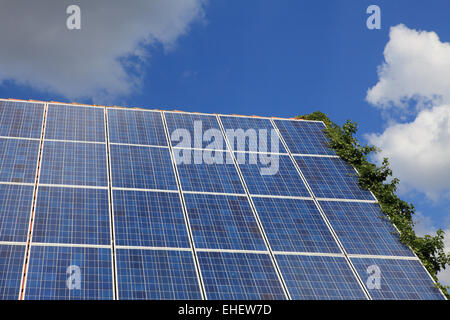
(117, 203)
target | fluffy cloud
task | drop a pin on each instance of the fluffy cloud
(416, 67)
(102, 59)
(419, 152)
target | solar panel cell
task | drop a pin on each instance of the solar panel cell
(223, 222)
(20, 119)
(304, 137)
(398, 279)
(70, 163)
(136, 127)
(153, 219)
(15, 210)
(156, 274)
(11, 264)
(72, 215)
(294, 225)
(63, 273)
(319, 278)
(332, 178)
(18, 160)
(65, 122)
(363, 229)
(240, 276)
(142, 167)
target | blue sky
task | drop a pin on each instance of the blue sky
(276, 58)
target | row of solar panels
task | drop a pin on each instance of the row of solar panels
(152, 253)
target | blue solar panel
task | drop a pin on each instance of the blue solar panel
(53, 274)
(215, 177)
(72, 163)
(294, 225)
(240, 276)
(156, 274)
(153, 219)
(259, 131)
(223, 222)
(11, 264)
(142, 167)
(319, 278)
(136, 127)
(304, 137)
(75, 123)
(72, 215)
(279, 178)
(363, 229)
(18, 160)
(196, 125)
(332, 178)
(18, 119)
(399, 279)
(15, 210)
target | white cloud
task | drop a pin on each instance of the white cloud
(104, 58)
(416, 67)
(419, 152)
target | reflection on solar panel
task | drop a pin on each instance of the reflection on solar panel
(243, 276)
(399, 279)
(105, 211)
(142, 167)
(364, 229)
(332, 178)
(18, 160)
(11, 264)
(196, 125)
(136, 127)
(294, 225)
(66, 122)
(319, 278)
(18, 119)
(278, 178)
(253, 127)
(65, 273)
(304, 137)
(214, 177)
(15, 210)
(72, 163)
(152, 219)
(223, 222)
(77, 216)
(156, 274)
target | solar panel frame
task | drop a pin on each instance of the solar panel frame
(400, 279)
(304, 137)
(223, 222)
(239, 275)
(74, 123)
(295, 225)
(319, 277)
(363, 228)
(23, 112)
(18, 160)
(74, 164)
(131, 129)
(160, 274)
(332, 178)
